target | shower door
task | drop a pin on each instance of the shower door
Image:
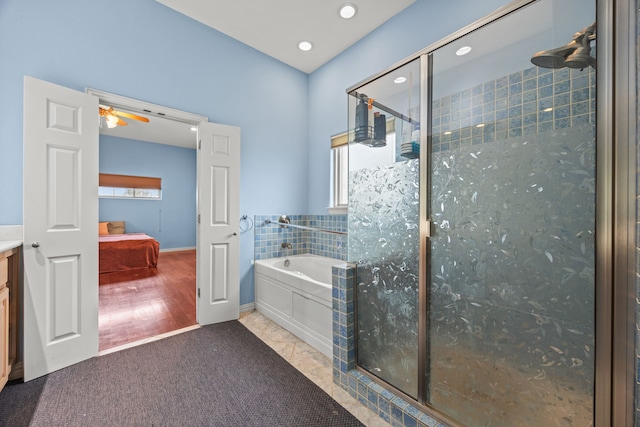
(512, 179)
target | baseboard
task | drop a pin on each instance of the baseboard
(191, 248)
(247, 307)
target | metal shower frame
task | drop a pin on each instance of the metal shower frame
(616, 194)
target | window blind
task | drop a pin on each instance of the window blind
(128, 181)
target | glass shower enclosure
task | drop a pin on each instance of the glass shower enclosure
(472, 220)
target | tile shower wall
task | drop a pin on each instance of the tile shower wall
(523, 103)
(268, 238)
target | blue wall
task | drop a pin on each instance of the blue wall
(144, 50)
(171, 221)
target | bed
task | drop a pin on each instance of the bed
(120, 251)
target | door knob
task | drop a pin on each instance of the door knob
(35, 244)
(234, 234)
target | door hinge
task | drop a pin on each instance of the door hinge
(198, 292)
(198, 218)
(199, 144)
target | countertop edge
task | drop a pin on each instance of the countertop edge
(7, 245)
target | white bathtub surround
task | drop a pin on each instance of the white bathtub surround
(295, 292)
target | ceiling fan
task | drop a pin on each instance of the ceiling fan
(112, 117)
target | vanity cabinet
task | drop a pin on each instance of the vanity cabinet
(9, 315)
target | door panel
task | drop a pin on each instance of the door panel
(63, 297)
(218, 210)
(60, 227)
(219, 273)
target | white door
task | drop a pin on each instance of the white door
(218, 223)
(60, 227)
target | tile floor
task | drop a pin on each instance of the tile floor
(313, 364)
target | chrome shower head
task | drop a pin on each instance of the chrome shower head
(553, 58)
(575, 54)
(580, 58)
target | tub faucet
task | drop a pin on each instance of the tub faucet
(285, 245)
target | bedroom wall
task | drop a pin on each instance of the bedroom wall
(171, 221)
(144, 50)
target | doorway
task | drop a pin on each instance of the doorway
(61, 222)
(136, 305)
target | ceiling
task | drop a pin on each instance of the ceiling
(275, 27)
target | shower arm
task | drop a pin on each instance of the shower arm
(385, 108)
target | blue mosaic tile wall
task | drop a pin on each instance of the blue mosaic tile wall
(268, 238)
(523, 103)
(391, 408)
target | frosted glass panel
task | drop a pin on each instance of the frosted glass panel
(383, 225)
(512, 294)
(383, 213)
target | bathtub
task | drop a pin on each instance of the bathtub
(295, 292)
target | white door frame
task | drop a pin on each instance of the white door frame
(70, 334)
(134, 105)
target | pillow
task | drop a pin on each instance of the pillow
(116, 227)
(103, 228)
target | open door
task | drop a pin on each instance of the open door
(218, 223)
(60, 227)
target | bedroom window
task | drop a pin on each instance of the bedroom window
(129, 187)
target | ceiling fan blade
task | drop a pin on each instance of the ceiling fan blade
(130, 116)
(121, 122)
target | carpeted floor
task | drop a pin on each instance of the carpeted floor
(219, 375)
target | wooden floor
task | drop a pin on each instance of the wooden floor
(143, 303)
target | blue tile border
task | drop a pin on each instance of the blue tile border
(518, 100)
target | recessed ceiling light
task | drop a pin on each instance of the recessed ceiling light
(305, 46)
(448, 132)
(546, 110)
(193, 128)
(481, 125)
(463, 50)
(400, 79)
(348, 11)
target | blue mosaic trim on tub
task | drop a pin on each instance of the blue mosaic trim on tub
(268, 238)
